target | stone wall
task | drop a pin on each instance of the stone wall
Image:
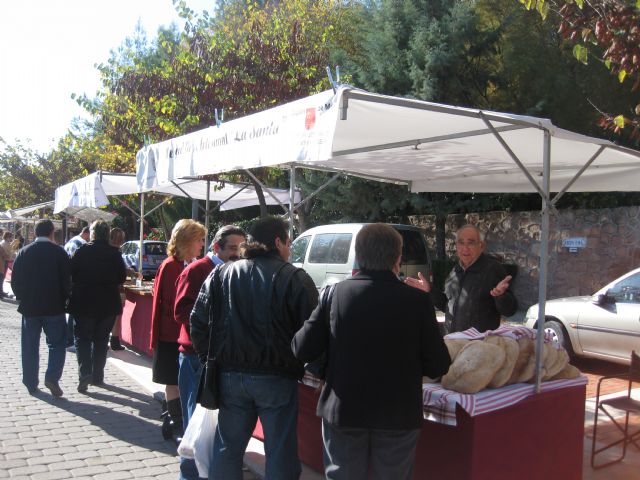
(613, 247)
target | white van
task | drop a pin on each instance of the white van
(327, 253)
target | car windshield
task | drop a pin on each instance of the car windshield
(626, 290)
(155, 249)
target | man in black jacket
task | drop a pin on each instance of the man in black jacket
(41, 281)
(97, 271)
(381, 337)
(476, 292)
(261, 302)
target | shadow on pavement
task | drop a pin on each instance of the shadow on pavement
(122, 425)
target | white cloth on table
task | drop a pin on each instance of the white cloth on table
(440, 403)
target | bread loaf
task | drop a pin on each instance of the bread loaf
(474, 367)
(511, 350)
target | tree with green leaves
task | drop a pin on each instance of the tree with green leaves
(609, 32)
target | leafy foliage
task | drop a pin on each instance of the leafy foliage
(610, 31)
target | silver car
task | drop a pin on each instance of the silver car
(605, 325)
(153, 255)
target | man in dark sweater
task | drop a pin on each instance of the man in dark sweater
(41, 281)
(224, 247)
(380, 337)
(476, 292)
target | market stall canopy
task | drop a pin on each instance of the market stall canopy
(94, 190)
(428, 146)
(88, 214)
(20, 214)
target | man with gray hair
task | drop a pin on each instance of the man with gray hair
(380, 337)
(76, 242)
(476, 292)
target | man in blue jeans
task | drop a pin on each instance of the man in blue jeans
(224, 247)
(255, 306)
(41, 281)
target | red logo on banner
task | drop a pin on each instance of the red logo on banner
(310, 118)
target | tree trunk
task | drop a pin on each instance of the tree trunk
(163, 222)
(441, 221)
(303, 216)
(260, 194)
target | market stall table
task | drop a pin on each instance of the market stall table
(136, 317)
(503, 433)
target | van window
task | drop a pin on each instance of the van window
(299, 249)
(414, 251)
(330, 248)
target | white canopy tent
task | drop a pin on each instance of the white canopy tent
(427, 146)
(88, 213)
(92, 191)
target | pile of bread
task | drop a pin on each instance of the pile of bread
(497, 360)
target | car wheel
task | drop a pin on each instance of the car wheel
(559, 334)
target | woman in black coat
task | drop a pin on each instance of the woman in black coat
(97, 271)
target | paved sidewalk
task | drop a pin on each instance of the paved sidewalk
(112, 433)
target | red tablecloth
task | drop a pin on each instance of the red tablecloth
(539, 437)
(136, 320)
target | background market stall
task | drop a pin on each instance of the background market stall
(94, 190)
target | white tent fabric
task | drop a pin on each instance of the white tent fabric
(88, 213)
(19, 213)
(429, 146)
(84, 192)
(94, 190)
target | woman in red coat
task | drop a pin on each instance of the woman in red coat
(187, 240)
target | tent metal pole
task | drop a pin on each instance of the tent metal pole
(206, 217)
(577, 175)
(230, 197)
(544, 255)
(194, 209)
(157, 207)
(284, 207)
(319, 189)
(140, 250)
(292, 197)
(127, 207)
(515, 158)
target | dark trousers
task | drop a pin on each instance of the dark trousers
(70, 334)
(353, 453)
(92, 342)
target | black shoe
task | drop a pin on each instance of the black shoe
(115, 344)
(34, 391)
(83, 385)
(167, 427)
(54, 387)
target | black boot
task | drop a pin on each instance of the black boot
(115, 343)
(167, 430)
(174, 407)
